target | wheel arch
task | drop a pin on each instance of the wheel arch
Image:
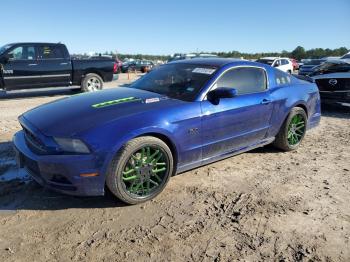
(163, 135)
(168, 142)
(300, 104)
(92, 72)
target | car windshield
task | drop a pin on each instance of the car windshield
(179, 81)
(332, 67)
(4, 48)
(265, 61)
(347, 56)
(314, 62)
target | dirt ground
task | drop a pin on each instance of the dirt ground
(261, 205)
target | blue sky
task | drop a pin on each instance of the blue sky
(165, 27)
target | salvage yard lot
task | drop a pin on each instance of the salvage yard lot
(261, 205)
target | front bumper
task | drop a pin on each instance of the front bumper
(60, 172)
(335, 97)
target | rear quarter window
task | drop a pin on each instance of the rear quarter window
(282, 78)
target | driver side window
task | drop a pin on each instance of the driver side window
(23, 53)
(245, 80)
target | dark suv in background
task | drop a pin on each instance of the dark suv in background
(308, 65)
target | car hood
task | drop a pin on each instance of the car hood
(71, 115)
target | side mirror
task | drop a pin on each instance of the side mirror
(215, 95)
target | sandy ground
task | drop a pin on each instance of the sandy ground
(261, 205)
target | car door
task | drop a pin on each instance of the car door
(240, 121)
(54, 65)
(20, 71)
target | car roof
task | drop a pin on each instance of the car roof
(35, 43)
(273, 58)
(269, 58)
(216, 62)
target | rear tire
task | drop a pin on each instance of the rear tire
(140, 170)
(91, 82)
(292, 131)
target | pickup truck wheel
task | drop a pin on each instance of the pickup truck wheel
(292, 131)
(91, 83)
(140, 170)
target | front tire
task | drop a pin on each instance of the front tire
(292, 131)
(140, 170)
(91, 82)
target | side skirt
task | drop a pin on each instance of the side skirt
(225, 155)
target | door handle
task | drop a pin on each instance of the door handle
(33, 64)
(266, 101)
(63, 63)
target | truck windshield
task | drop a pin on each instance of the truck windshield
(4, 48)
(179, 81)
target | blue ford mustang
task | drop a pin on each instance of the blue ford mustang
(179, 116)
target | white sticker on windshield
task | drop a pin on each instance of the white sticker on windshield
(152, 100)
(207, 71)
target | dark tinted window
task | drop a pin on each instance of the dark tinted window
(23, 53)
(265, 61)
(332, 67)
(285, 62)
(347, 56)
(51, 52)
(282, 78)
(180, 81)
(314, 61)
(245, 80)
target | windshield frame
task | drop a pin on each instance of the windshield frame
(4, 48)
(194, 65)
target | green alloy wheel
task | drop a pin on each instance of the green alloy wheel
(296, 129)
(292, 131)
(141, 170)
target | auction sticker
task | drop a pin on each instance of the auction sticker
(152, 100)
(207, 71)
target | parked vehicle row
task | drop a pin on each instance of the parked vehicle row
(177, 57)
(42, 65)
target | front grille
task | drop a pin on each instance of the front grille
(31, 165)
(34, 142)
(333, 84)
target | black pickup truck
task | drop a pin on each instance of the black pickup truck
(42, 65)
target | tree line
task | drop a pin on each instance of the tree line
(298, 53)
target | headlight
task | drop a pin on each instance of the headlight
(72, 145)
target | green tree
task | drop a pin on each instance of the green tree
(298, 53)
